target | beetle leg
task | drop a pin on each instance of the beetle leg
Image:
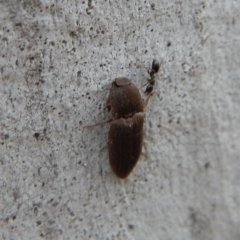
(98, 124)
(108, 105)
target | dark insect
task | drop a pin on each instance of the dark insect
(152, 72)
(125, 135)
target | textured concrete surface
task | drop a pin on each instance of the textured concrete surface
(58, 59)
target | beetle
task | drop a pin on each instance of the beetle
(125, 137)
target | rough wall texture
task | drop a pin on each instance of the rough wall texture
(58, 59)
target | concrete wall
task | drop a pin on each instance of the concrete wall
(58, 59)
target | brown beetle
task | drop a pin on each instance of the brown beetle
(125, 136)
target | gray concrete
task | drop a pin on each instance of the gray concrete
(57, 61)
